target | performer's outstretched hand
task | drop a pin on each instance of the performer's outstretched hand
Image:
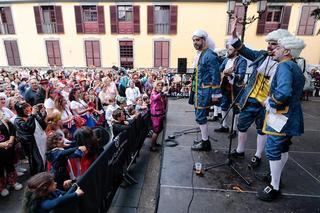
(234, 27)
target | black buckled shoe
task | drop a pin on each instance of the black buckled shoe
(222, 129)
(202, 146)
(268, 194)
(233, 135)
(236, 154)
(254, 163)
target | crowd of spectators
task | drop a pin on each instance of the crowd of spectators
(47, 119)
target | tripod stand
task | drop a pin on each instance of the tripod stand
(229, 162)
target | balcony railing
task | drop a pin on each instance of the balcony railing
(4, 28)
(162, 28)
(49, 28)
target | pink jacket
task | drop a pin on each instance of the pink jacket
(158, 104)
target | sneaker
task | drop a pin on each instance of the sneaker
(222, 129)
(268, 194)
(20, 169)
(236, 154)
(19, 174)
(17, 186)
(254, 163)
(4, 193)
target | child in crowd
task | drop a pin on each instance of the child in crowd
(119, 123)
(140, 105)
(158, 110)
(41, 194)
(58, 157)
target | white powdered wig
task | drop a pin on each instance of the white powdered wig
(204, 34)
(292, 43)
(3, 95)
(277, 34)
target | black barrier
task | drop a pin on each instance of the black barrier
(101, 181)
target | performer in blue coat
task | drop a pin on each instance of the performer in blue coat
(233, 70)
(284, 118)
(206, 85)
(255, 93)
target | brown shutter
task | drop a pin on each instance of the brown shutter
(165, 54)
(7, 11)
(136, 19)
(89, 53)
(9, 52)
(37, 17)
(113, 19)
(239, 12)
(150, 20)
(173, 19)
(96, 53)
(77, 10)
(262, 23)
(59, 19)
(12, 53)
(57, 55)
(303, 20)
(101, 24)
(50, 53)
(157, 54)
(286, 17)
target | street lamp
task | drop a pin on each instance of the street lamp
(262, 5)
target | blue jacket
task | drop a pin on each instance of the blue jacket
(207, 78)
(285, 92)
(239, 72)
(251, 55)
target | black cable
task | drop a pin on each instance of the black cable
(192, 196)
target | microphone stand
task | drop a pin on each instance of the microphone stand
(229, 162)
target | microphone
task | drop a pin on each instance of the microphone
(261, 57)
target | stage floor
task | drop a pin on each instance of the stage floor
(220, 189)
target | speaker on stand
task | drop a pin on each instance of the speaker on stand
(182, 65)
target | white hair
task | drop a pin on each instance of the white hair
(277, 34)
(292, 43)
(211, 45)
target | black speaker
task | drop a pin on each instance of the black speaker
(182, 65)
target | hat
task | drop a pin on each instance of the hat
(277, 34)
(292, 43)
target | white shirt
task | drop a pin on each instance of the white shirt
(49, 104)
(132, 94)
(77, 106)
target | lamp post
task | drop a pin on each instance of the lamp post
(262, 5)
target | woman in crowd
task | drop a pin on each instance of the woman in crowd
(28, 121)
(8, 173)
(67, 118)
(49, 101)
(132, 92)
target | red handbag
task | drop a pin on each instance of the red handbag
(79, 121)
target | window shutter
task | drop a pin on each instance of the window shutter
(136, 19)
(57, 55)
(165, 54)
(9, 52)
(150, 20)
(239, 12)
(38, 19)
(50, 53)
(96, 53)
(157, 53)
(286, 17)
(77, 10)
(262, 23)
(16, 54)
(303, 20)
(7, 11)
(101, 24)
(113, 19)
(173, 19)
(89, 53)
(59, 19)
